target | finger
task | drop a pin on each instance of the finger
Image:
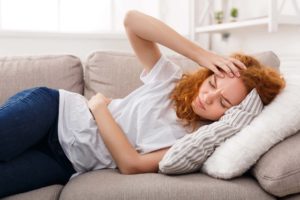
(216, 71)
(225, 68)
(233, 68)
(238, 63)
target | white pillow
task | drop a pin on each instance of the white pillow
(189, 152)
(277, 121)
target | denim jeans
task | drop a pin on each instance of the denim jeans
(30, 153)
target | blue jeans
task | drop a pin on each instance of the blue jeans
(30, 153)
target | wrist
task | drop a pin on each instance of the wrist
(197, 54)
(97, 109)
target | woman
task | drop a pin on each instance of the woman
(48, 135)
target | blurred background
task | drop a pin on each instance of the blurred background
(79, 27)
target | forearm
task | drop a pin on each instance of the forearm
(115, 140)
(152, 29)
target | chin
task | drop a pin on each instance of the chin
(208, 119)
(211, 119)
(202, 118)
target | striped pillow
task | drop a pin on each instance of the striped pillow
(189, 152)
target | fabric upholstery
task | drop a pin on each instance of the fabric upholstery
(51, 192)
(278, 171)
(116, 74)
(268, 58)
(110, 184)
(291, 197)
(55, 71)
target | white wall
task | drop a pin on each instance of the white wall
(80, 47)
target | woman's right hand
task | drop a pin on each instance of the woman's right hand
(97, 101)
(216, 63)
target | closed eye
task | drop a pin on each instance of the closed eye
(222, 104)
(213, 85)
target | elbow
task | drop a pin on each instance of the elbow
(129, 17)
(131, 167)
(125, 171)
(129, 170)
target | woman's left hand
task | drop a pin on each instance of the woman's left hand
(97, 101)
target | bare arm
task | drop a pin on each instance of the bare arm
(128, 160)
(146, 51)
(144, 31)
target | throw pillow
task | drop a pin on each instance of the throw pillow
(189, 152)
(278, 120)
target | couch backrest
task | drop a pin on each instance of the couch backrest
(116, 74)
(55, 71)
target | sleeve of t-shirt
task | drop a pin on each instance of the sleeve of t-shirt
(163, 70)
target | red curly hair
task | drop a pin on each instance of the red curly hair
(266, 80)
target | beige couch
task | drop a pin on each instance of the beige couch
(116, 74)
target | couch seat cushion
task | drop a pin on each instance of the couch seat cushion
(46, 193)
(291, 197)
(110, 184)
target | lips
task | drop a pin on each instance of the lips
(199, 103)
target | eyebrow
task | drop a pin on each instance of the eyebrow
(215, 79)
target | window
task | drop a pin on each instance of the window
(70, 16)
(33, 15)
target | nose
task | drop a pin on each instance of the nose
(210, 96)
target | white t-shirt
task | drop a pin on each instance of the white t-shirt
(147, 117)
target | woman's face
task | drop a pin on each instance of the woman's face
(217, 94)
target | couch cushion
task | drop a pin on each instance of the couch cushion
(46, 193)
(291, 197)
(268, 58)
(278, 171)
(110, 184)
(55, 71)
(116, 74)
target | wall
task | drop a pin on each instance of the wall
(79, 46)
(34, 45)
